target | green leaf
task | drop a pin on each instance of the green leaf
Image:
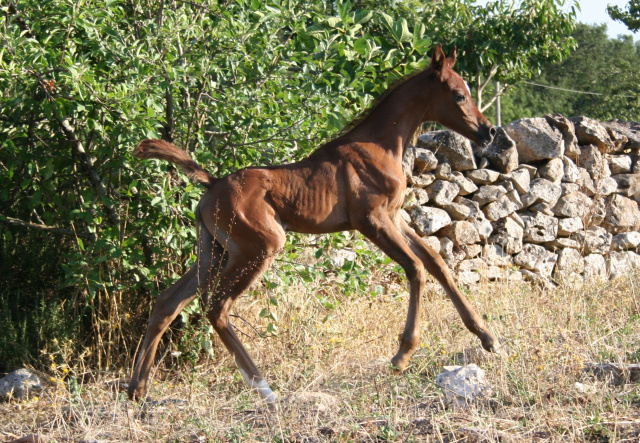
(401, 31)
(362, 16)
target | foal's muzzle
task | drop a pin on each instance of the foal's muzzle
(486, 133)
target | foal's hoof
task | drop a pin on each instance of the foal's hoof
(491, 344)
(399, 364)
(136, 393)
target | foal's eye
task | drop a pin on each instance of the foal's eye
(460, 98)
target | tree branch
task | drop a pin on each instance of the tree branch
(484, 107)
(52, 229)
(87, 163)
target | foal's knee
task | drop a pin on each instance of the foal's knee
(417, 273)
(218, 317)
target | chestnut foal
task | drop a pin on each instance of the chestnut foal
(353, 182)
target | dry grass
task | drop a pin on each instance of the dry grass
(550, 335)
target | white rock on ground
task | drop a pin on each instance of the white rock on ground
(462, 385)
(19, 383)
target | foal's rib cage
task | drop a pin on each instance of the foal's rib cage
(354, 182)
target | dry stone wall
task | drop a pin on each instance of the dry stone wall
(550, 198)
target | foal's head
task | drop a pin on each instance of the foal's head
(454, 107)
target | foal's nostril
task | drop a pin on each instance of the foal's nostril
(493, 131)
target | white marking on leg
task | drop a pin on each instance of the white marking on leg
(260, 386)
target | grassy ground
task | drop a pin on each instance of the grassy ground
(331, 367)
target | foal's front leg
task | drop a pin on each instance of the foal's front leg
(437, 267)
(381, 230)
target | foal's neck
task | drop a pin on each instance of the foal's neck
(393, 121)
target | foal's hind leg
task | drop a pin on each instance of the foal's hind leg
(167, 307)
(241, 271)
(439, 269)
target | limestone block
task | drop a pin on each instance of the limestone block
(594, 161)
(449, 147)
(542, 190)
(424, 161)
(625, 240)
(422, 180)
(488, 193)
(415, 197)
(501, 153)
(569, 188)
(586, 182)
(571, 173)
(591, 132)
(622, 263)
(442, 192)
(595, 267)
(535, 139)
(540, 228)
(536, 279)
(620, 164)
(628, 184)
(516, 218)
(462, 233)
(443, 171)
(495, 255)
(483, 176)
(467, 277)
(457, 211)
(472, 251)
(552, 170)
(606, 186)
(567, 128)
(476, 217)
(575, 204)
(561, 243)
(432, 242)
(427, 220)
(407, 162)
(537, 259)
(475, 264)
(568, 226)
(462, 385)
(570, 260)
(629, 132)
(532, 170)
(19, 383)
(466, 186)
(521, 180)
(508, 234)
(595, 240)
(502, 207)
(622, 214)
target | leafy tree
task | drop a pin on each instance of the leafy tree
(629, 16)
(501, 41)
(237, 83)
(599, 79)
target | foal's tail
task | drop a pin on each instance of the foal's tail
(167, 151)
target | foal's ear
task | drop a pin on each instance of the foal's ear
(438, 58)
(451, 60)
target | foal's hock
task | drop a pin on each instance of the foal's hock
(353, 182)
